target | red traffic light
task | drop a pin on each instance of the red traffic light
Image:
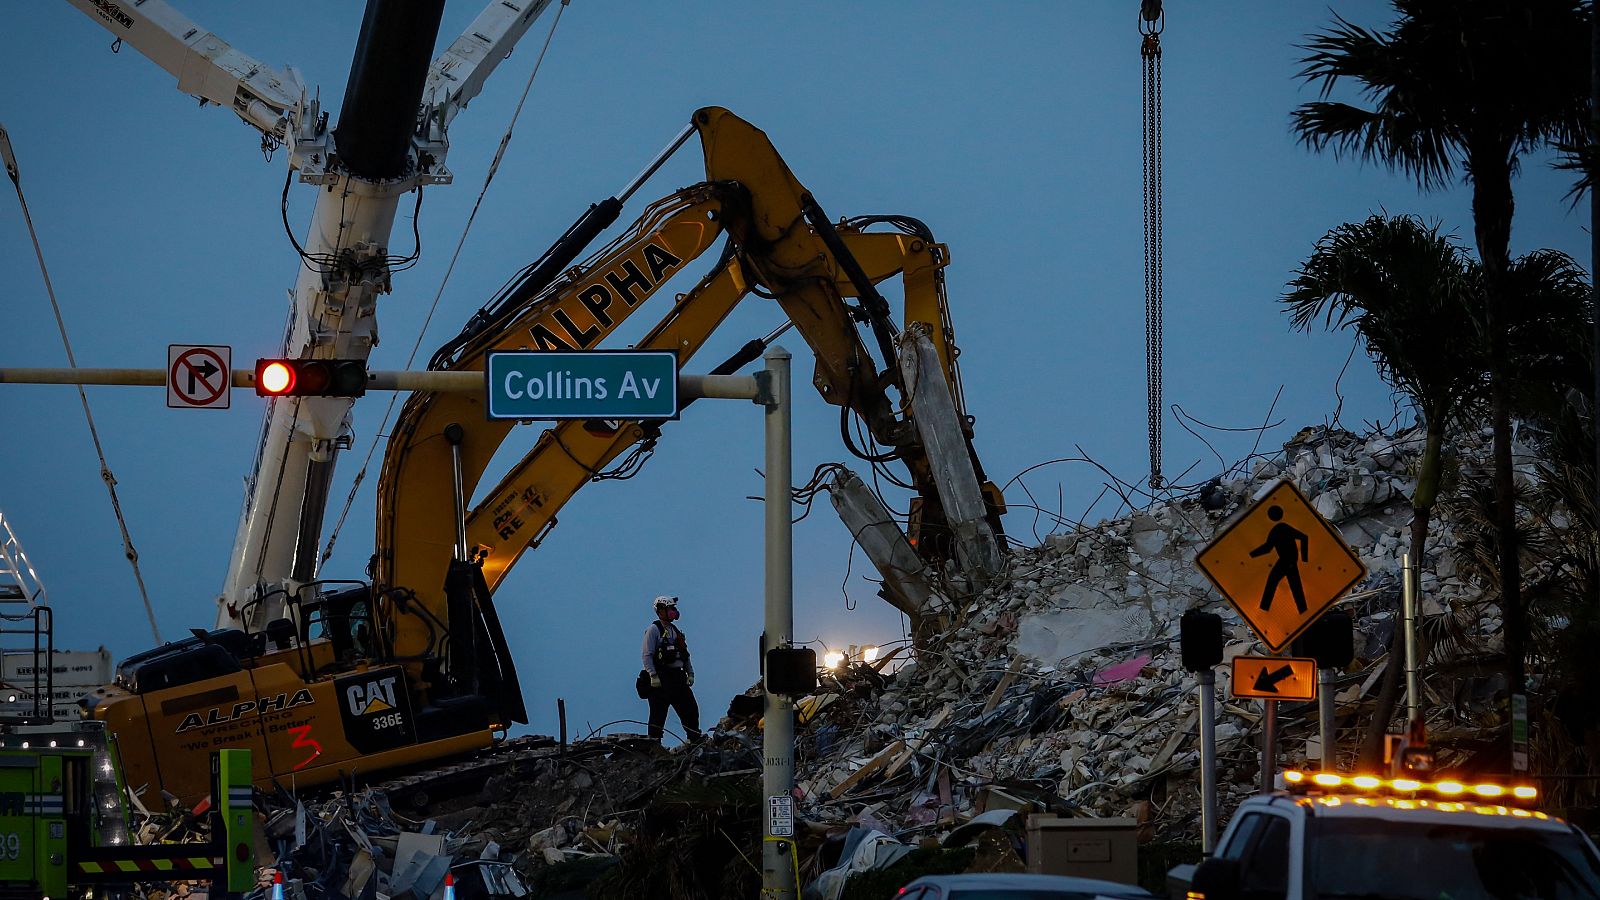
(274, 378)
(311, 377)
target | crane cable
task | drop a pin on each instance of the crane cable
(494, 166)
(105, 470)
(1151, 22)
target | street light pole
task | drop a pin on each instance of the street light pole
(779, 875)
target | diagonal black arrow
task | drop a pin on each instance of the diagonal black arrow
(205, 371)
(1267, 682)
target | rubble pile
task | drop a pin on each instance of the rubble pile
(541, 806)
(1060, 688)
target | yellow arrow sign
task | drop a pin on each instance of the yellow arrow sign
(1275, 677)
(1280, 564)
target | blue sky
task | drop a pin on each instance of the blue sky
(1012, 129)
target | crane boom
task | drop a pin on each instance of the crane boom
(205, 65)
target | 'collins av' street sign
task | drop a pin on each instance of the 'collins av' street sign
(592, 384)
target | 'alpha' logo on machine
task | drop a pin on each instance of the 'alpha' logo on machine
(259, 706)
(625, 280)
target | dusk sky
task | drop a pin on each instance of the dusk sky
(1011, 128)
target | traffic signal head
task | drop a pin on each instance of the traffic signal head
(311, 377)
(1330, 641)
(791, 670)
(1200, 640)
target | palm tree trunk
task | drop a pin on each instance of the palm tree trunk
(1422, 500)
(1492, 210)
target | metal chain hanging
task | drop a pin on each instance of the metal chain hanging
(1150, 25)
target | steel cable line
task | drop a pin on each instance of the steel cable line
(110, 480)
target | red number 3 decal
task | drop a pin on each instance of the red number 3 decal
(303, 739)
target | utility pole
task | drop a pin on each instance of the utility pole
(779, 875)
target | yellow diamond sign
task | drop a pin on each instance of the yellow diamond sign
(1280, 564)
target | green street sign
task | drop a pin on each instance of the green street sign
(593, 384)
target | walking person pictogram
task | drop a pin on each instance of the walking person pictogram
(1293, 549)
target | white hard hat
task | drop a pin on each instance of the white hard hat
(668, 602)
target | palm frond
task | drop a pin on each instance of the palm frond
(1450, 86)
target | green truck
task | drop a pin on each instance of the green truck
(64, 825)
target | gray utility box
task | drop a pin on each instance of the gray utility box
(1088, 848)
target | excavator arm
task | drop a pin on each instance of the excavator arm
(782, 246)
(415, 667)
(521, 509)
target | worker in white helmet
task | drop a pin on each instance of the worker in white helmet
(670, 672)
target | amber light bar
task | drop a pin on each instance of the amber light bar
(1329, 780)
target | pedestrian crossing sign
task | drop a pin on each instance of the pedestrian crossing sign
(1280, 564)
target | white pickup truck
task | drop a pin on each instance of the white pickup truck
(1375, 845)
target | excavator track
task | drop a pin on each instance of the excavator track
(418, 791)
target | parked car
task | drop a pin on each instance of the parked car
(1017, 886)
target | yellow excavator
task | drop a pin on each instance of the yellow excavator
(412, 668)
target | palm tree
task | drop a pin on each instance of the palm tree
(1412, 295)
(1462, 86)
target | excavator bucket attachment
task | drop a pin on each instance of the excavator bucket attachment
(949, 456)
(906, 580)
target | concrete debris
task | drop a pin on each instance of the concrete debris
(1060, 688)
(539, 806)
(1056, 691)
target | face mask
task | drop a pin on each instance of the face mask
(669, 614)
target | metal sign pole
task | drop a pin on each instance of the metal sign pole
(1269, 745)
(780, 877)
(1330, 736)
(1208, 760)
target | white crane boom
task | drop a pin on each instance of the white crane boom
(205, 65)
(458, 74)
(344, 268)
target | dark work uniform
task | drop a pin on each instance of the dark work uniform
(666, 655)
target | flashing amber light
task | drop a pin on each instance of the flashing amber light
(1299, 780)
(275, 379)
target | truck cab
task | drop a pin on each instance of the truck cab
(1432, 841)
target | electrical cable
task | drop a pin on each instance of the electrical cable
(106, 476)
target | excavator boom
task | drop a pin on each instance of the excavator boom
(414, 667)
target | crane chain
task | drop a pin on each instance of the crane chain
(1150, 25)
